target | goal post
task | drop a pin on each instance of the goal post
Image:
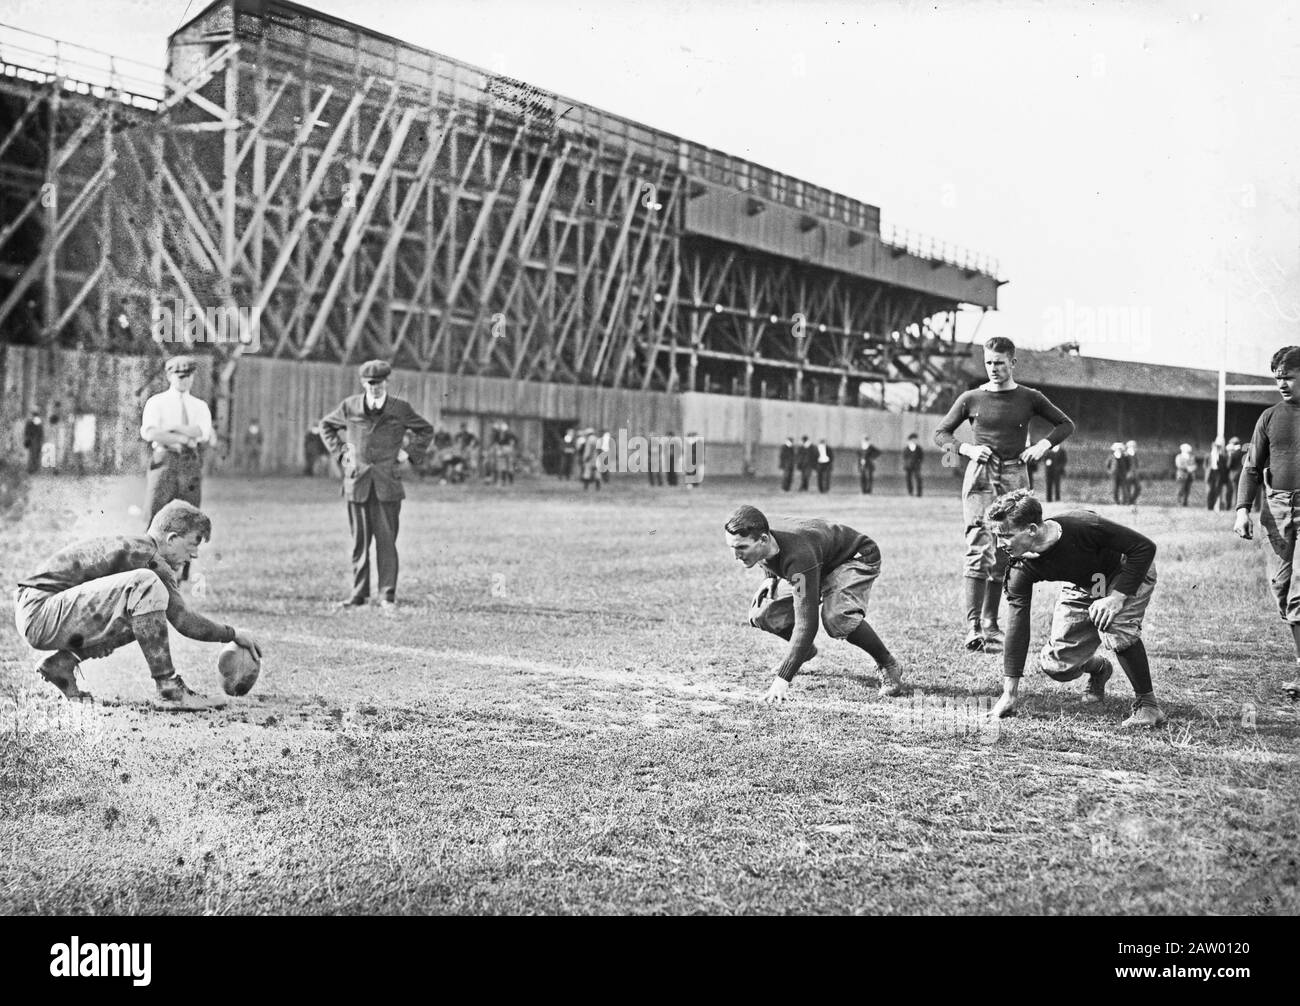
(1225, 388)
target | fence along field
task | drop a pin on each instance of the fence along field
(561, 720)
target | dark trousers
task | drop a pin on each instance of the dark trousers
(787, 479)
(378, 520)
(33, 459)
(823, 478)
(804, 475)
(1118, 489)
(174, 476)
(867, 477)
(913, 482)
(1053, 485)
(1228, 489)
(1184, 489)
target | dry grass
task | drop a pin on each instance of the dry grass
(561, 719)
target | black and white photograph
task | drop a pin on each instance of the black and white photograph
(732, 457)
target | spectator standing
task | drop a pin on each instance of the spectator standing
(34, 440)
(1133, 476)
(1184, 472)
(1236, 458)
(1053, 469)
(1117, 467)
(807, 459)
(867, 454)
(825, 459)
(1216, 475)
(786, 464)
(913, 460)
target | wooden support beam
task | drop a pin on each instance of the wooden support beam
(353, 241)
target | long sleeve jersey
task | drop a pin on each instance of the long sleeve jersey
(1000, 419)
(1093, 553)
(1275, 446)
(807, 552)
(94, 558)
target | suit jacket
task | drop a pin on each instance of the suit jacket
(375, 442)
(867, 457)
(787, 457)
(913, 457)
(807, 455)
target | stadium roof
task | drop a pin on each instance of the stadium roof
(1061, 370)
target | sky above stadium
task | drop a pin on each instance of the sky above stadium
(1135, 168)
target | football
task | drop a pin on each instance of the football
(238, 668)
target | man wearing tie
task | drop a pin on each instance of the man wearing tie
(177, 426)
(365, 433)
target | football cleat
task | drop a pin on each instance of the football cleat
(891, 680)
(975, 638)
(994, 638)
(60, 670)
(1096, 690)
(1150, 717)
(1292, 689)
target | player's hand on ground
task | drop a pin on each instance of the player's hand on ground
(976, 452)
(1036, 452)
(1104, 610)
(249, 643)
(1004, 707)
(777, 691)
(1244, 527)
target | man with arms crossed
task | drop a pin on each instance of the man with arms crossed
(100, 594)
(826, 565)
(1274, 459)
(999, 413)
(1109, 575)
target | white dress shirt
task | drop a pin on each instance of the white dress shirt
(171, 408)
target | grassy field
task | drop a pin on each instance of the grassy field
(561, 719)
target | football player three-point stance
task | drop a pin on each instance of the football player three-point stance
(999, 413)
(1108, 573)
(95, 596)
(829, 567)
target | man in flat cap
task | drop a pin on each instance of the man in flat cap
(178, 427)
(366, 434)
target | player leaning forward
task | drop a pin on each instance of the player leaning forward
(999, 413)
(1108, 572)
(826, 565)
(94, 596)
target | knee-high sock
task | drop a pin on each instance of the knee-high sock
(1134, 662)
(150, 632)
(864, 637)
(974, 598)
(992, 601)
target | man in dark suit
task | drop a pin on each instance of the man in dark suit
(787, 464)
(1054, 463)
(806, 458)
(34, 440)
(867, 455)
(913, 459)
(365, 433)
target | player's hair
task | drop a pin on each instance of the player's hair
(1286, 358)
(1016, 509)
(179, 517)
(747, 522)
(1001, 344)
